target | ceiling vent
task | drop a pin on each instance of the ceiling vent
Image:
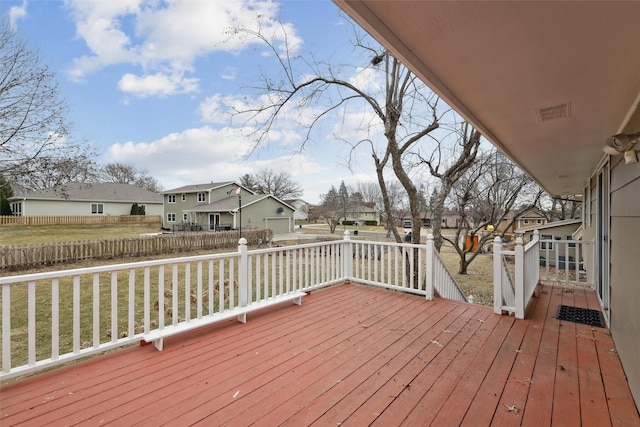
(561, 111)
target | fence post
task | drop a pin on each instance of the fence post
(431, 267)
(519, 291)
(497, 275)
(243, 276)
(347, 262)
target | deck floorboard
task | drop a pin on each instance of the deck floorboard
(352, 355)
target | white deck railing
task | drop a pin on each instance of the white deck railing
(513, 297)
(55, 317)
(566, 261)
(539, 260)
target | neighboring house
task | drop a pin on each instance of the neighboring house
(361, 213)
(218, 206)
(357, 214)
(302, 209)
(548, 88)
(530, 217)
(451, 219)
(559, 230)
(556, 231)
(85, 199)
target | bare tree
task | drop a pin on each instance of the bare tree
(370, 192)
(448, 167)
(403, 110)
(398, 208)
(123, 173)
(563, 207)
(279, 184)
(483, 196)
(47, 171)
(330, 209)
(33, 116)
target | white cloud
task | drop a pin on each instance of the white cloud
(157, 84)
(164, 39)
(205, 154)
(16, 13)
(368, 79)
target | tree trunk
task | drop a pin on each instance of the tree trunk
(438, 212)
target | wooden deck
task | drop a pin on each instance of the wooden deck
(350, 355)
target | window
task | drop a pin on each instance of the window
(539, 221)
(185, 216)
(202, 197)
(97, 208)
(546, 245)
(526, 221)
(184, 197)
(16, 208)
(171, 217)
(571, 245)
(171, 198)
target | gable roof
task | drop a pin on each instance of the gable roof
(230, 204)
(548, 225)
(102, 191)
(194, 188)
(531, 213)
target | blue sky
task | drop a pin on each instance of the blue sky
(146, 81)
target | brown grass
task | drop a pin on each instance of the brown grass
(20, 234)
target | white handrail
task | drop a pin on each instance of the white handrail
(58, 316)
(525, 281)
(567, 258)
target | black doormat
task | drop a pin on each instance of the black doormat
(580, 315)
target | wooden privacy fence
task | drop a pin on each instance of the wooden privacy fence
(35, 255)
(78, 219)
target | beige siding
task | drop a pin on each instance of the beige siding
(69, 207)
(625, 269)
(264, 214)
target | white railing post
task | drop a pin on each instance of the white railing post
(243, 277)
(519, 282)
(536, 265)
(497, 275)
(430, 273)
(347, 262)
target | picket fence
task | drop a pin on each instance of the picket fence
(35, 255)
(78, 219)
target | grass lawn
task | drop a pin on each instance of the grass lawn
(19, 234)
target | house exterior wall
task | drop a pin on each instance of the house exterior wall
(83, 208)
(530, 219)
(623, 250)
(189, 200)
(264, 214)
(625, 267)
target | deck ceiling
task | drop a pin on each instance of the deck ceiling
(507, 66)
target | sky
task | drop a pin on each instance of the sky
(148, 83)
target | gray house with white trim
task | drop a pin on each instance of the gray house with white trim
(225, 206)
(85, 199)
